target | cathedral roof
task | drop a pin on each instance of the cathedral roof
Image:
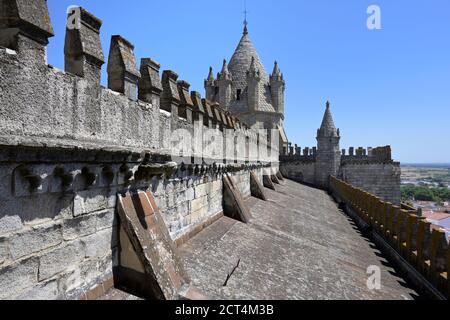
(239, 65)
(328, 129)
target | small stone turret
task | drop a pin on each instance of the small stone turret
(328, 151)
(253, 79)
(210, 86)
(224, 81)
(277, 88)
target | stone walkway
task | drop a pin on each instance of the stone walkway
(298, 245)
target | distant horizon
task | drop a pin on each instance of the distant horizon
(425, 164)
(386, 87)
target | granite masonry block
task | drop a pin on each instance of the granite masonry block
(10, 224)
(15, 278)
(79, 227)
(43, 291)
(98, 244)
(90, 201)
(60, 259)
(34, 240)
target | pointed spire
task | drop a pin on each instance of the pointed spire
(328, 129)
(253, 71)
(245, 28)
(224, 66)
(225, 73)
(276, 70)
(210, 74)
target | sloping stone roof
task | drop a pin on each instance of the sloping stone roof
(238, 66)
(290, 250)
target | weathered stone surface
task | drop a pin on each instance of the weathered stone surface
(98, 244)
(380, 179)
(17, 277)
(123, 73)
(89, 201)
(79, 227)
(23, 210)
(60, 259)
(43, 291)
(74, 124)
(34, 240)
(3, 250)
(298, 245)
(9, 224)
(190, 194)
(275, 179)
(201, 190)
(30, 17)
(83, 53)
(106, 219)
(199, 203)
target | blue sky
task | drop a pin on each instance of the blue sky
(389, 86)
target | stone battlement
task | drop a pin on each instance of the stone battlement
(138, 110)
(409, 234)
(380, 154)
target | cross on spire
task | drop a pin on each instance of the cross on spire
(245, 18)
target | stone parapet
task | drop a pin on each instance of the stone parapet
(411, 236)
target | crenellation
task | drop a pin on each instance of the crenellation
(186, 105)
(123, 73)
(170, 98)
(26, 28)
(199, 113)
(83, 53)
(150, 86)
(410, 236)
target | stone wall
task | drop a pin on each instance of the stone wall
(371, 169)
(300, 171)
(68, 146)
(379, 178)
